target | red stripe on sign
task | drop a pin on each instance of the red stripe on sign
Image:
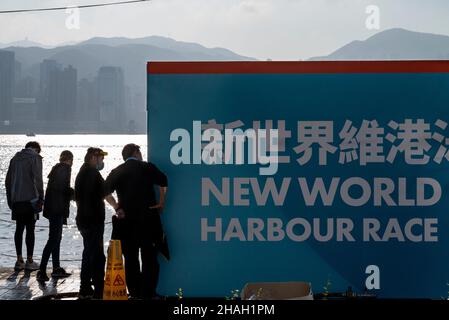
(307, 67)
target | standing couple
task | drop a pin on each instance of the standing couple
(136, 223)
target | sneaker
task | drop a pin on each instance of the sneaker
(60, 273)
(20, 265)
(31, 266)
(41, 276)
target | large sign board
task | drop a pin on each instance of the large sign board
(303, 171)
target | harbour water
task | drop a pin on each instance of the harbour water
(52, 145)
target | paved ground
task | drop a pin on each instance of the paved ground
(23, 285)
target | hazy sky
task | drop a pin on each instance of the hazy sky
(276, 29)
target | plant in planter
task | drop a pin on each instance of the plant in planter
(235, 295)
(180, 294)
(327, 287)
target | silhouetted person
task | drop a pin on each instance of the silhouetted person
(56, 210)
(25, 194)
(89, 195)
(141, 228)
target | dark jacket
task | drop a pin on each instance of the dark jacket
(134, 183)
(89, 196)
(24, 178)
(58, 193)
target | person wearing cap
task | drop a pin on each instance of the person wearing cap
(140, 229)
(56, 209)
(89, 196)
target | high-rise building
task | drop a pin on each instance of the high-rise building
(7, 68)
(58, 92)
(17, 71)
(87, 106)
(69, 89)
(47, 68)
(111, 96)
(26, 88)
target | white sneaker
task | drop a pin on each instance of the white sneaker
(31, 266)
(20, 265)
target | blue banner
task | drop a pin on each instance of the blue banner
(321, 177)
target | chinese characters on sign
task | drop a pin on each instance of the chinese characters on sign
(368, 142)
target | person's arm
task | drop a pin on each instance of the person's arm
(161, 180)
(111, 200)
(62, 182)
(66, 174)
(8, 186)
(109, 188)
(113, 203)
(37, 171)
(76, 194)
(72, 194)
(161, 203)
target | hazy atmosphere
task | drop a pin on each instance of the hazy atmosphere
(276, 29)
(82, 70)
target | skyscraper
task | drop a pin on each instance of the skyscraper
(7, 66)
(87, 108)
(26, 88)
(111, 97)
(58, 92)
(17, 71)
(47, 68)
(69, 80)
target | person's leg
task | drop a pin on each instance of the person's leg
(18, 238)
(130, 250)
(98, 262)
(57, 230)
(150, 270)
(29, 239)
(49, 247)
(86, 272)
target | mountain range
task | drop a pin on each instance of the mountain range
(130, 54)
(394, 44)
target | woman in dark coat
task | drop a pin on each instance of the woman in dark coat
(56, 210)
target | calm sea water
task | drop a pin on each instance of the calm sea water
(52, 145)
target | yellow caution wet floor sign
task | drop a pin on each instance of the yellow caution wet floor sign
(114, 283)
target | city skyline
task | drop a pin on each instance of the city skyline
(59, 102)
(99, 86)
